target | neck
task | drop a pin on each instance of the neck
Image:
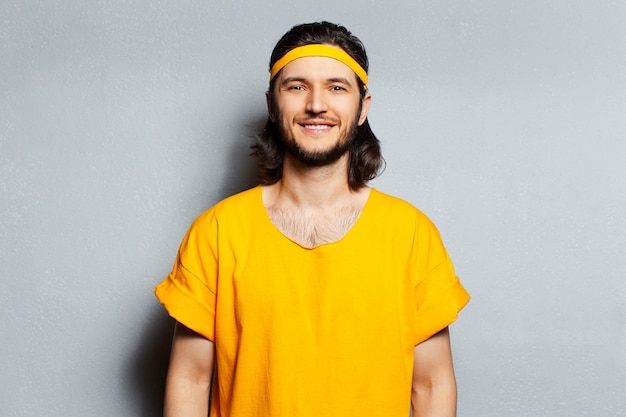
(314, 205)
(302, 186)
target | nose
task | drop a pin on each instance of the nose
(316, 102)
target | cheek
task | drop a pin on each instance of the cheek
(289, 102)
(286, 111)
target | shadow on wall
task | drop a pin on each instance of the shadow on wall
(241, 166)
(148, 365)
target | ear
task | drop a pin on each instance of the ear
(268, 102)
(365, 108)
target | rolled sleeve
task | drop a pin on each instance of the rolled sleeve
(188, 301)
(439, 298)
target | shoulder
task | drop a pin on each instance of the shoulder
(402, 218)
(397, 209)
(232, 213)
(228, 215)
(233, 206)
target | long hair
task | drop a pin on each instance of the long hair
(365, 159)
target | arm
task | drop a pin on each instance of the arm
(434, 383)
(189, 376)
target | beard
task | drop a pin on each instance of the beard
(322, 157)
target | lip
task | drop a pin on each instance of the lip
(317, 126)
(316, 130)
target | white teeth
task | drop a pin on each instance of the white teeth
(317, 127)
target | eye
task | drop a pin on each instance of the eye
(296, 87)
(337, 88)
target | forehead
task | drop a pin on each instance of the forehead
(317, 67)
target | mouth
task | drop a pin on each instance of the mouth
(317, 126)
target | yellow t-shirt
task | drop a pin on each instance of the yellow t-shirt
(325, 331)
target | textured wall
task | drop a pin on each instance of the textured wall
(502, 120)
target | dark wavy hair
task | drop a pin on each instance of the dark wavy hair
(365, 158)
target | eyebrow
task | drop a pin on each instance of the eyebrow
(340, 80)
(293, 80)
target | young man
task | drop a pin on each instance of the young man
(313, 294)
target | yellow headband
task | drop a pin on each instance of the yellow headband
(323, 51)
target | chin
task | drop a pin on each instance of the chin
(317, 157)
(314, 156)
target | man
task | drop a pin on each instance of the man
(313, 294)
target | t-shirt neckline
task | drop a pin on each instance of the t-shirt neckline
(364, 214)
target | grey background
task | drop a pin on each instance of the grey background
(120, 122)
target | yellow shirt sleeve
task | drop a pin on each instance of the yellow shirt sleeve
(189, 291)
(439, 295)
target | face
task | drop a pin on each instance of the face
(317, 107)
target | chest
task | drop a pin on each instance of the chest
(311, 227)
(342, 283)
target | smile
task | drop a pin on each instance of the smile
(318, 127)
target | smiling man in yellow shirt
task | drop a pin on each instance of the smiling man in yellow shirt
(313, 294)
